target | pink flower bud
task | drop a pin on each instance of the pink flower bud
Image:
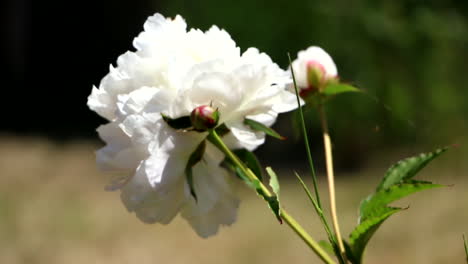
(315, 78)
(313, 68)
(204, 117)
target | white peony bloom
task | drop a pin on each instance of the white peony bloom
(172, 72)
(313, 68)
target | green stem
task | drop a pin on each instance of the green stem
(305, 237)
(214, 138)
(306, 138)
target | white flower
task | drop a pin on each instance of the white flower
(172, 72)
(313, 68)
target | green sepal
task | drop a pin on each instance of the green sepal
(257, 126)
(335, 88)
(407, 168)
(183, 122)
(194, 158)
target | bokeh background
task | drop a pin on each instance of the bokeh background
(409, 57)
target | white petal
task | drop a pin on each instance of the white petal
(267, 118)
(318, 55)
(216, 204)
(100, 102)
(247, 138)
(150, 204)
(135, 101)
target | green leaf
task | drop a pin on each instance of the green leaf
(250, 160)
(338, 88)
(309, 194)
(350, 253)
(261, 127)
(466, 247)
(305, 135)
(274, 201)
(178, 123)
(274, 183)
(382, 198)
(363, 232)
(194, 158)
(396, 184)
(407, 168)
(255, 184)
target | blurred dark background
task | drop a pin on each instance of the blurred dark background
(408, 56)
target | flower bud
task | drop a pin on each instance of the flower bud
(204, 117)
(314, 68)
(315, 78)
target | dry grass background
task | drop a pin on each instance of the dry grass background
(53, 209)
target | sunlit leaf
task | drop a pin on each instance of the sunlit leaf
(274, 182)
(407, 168)
(397, 184)
(382, 198)
(274, 202)
(257, 126)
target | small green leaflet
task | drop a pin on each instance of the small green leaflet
(274, 201)
(257, 126)
(194, 158)
(338, 88)
(255, 184)
(178, 123)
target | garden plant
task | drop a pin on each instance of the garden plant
(187, 109)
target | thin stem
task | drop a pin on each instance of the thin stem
(292, 223)
(331, 178)
(305, 237)
(306, 138)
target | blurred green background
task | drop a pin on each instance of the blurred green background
(409, 58)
